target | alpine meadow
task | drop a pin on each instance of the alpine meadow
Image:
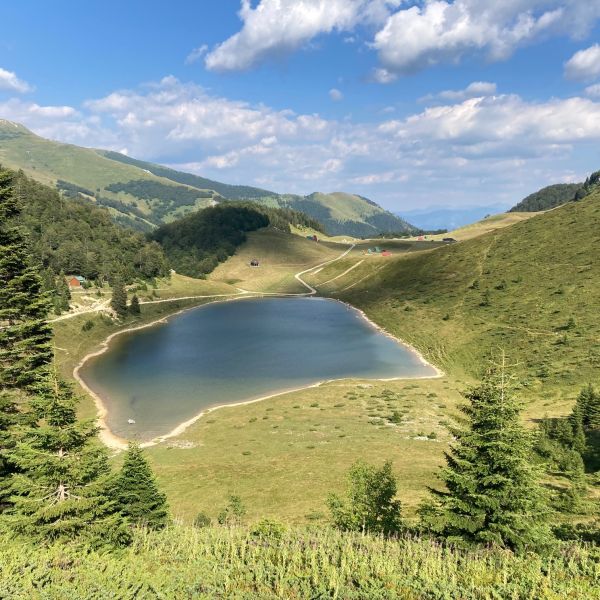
(232, 366)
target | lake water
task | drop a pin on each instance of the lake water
(235, 351)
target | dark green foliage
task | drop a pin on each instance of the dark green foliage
(59, 491)
(25, 335)
(491, 493)
(134, 305)
(232, 192)
(197, 243)
(591, 183)
(118, 301)
(136, 492)
(370, 504)
(81, 239)
(588, 404)
(164, 198)
(548, 197)
(233, 513)
(202, 520)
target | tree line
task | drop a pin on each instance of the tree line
(55, 479)
(198, 242)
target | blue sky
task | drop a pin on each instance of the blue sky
(413, 104)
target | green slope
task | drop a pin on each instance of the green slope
(143, 194)
(340, 213)
(548, 197)
(531, 288)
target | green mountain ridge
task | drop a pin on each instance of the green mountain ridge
(144, 195)
(558, 194)
(530, 288)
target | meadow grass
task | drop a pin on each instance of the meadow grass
(240, 563)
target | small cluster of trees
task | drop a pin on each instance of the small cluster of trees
(118, 301)
(491, 492)
(55, 479)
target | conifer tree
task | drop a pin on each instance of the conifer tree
(134, 305)
(25, 336)
(492, 495)
(63, 293)
(578, 441)
(588, 403)
(136, 492)
(118, 302)
(60, 491)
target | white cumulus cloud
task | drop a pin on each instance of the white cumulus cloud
(473, 90)
(584, 65)
(10, 82)
(440, 31)
(276, 27)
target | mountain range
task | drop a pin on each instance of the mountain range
(144, 195)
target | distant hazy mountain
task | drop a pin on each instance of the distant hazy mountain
(144, 195)
(448, 218)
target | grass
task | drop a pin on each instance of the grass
(283, 455)
(240, 563)
(530, 288)
(487, 225)
(281, 255)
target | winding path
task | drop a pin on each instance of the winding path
(104, 306)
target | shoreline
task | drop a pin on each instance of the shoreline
(115, 442)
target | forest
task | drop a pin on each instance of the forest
(197, 243)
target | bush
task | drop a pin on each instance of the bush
(202, 520)
(268, 529)
(89, 324)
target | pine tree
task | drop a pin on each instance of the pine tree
(118, 302)
(25, 335)
(134, 305)
(578, 441)
(492, 495)
(63, 293)
(60, 491)
(588, 402)
(136, 492)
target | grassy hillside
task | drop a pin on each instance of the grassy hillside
(548, 197)
(491, 223)
(280, 254)
(142, 194)
(48, 162)
(244, 563)
(531, 288)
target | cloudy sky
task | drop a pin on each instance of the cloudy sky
(411, 103)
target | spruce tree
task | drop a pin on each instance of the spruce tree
(134, 305)
(63, 293)
(492, 495)
(588, 402)
(60, 491)
(118, 302)
(136, 492)
(25, 349)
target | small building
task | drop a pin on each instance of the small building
(75, 281)
(254, 263)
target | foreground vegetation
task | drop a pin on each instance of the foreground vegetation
(266, 561)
